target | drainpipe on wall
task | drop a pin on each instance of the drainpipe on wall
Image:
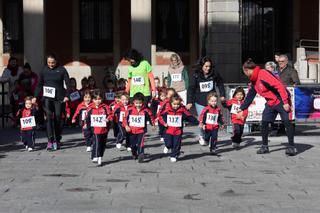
(205, 31)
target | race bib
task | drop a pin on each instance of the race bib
(137, 120)
(206, 86)
(83, 115)
(176, 77)
(98, 121)
(174, 120)
(121, 116)
(109, 96)
(74, 96)
(234, 108)
(212, 118)
(137, 80)
(27, 122)
(49, 92)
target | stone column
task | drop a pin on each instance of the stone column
(33, 32)
(141, 27)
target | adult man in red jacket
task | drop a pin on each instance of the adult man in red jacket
(278, 101)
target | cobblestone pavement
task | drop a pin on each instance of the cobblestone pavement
(232, 181)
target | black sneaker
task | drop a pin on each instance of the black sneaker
(140, 158)
(263, 150)
(291, 151)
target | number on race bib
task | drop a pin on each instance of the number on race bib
(137, 80)
(27, 122)
(74, 96)
(109, 96)
(98, 120)
(137, 120)
(234, 108)
(176, 77)
(206, 86)
(49, 92)
(174, 120)
(121, 116)
(212, 118)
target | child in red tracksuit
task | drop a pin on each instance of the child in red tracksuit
(27, 123)
(172, 119)
(112, 106)
(237, 121)
(97, 119)
(81, 113)
(210, 118)
(118, 115)
(135, 123)
(74, 97)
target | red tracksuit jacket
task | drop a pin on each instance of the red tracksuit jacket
(23, 113)
(137, 121)
(102, 109)
(174, 119)
(233, 104)
(211, 117)
(119, 112)
(81, 111)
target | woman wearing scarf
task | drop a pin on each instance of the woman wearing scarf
(178, 77)
(12, 72)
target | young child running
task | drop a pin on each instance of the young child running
(210, 118)
(135, 123)
(237, 120)
(97, 119)
(118, 115)
(81, 114)
(27, 123)
(172, 119)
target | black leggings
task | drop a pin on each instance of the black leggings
(53, 110)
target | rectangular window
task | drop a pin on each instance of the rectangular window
(12, 26)
(96, 32)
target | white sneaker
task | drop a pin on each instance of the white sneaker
(129, 149)
(235, 145)
(161, 139)
(165, 150)
(99, 161)
(95, 160)
(173, 160)
(89, 149)
(118, 145)
(26, 147)
(30, 149)
(202, 142)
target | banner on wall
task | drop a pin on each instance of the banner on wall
(307, 103)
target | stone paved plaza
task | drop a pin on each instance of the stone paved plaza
(233, 181)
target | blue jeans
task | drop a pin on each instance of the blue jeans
(199, 108)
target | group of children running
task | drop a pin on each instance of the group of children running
(96, 115)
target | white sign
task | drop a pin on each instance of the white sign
(49, 92)
(174, 120)
(74, 96)
(83, 115)
(206, 86)
(27, 122)
(121, 116)
(137, 120)
(98, 121)
(137, 80)
(212, 118)
(109, 96)
(176, 77)
(234, 108)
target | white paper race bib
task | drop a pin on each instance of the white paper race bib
(27, 122)
(98, 121)
(176, 77)
(83, 115)
(137, 80)
(206, 86)
(109, 96)
(74, 96)
(49, 92)
(137, 120)
(174, 120)
(121, 116)
(212, 118)
(234, 108)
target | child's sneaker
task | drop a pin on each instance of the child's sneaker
(30, 149)
(173, 160)
(141, 158)
(161, 139)
(99, 161)
(235, 145)
(89, 149)
(264, 149)
(129, 149)
(118, 145)
(165, 150)
(291, 151)
(95, 160)
(202, 142)
(54, 146)
(213, 150)
(26, 147)
(49, 145)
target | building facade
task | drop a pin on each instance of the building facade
(90, 36)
